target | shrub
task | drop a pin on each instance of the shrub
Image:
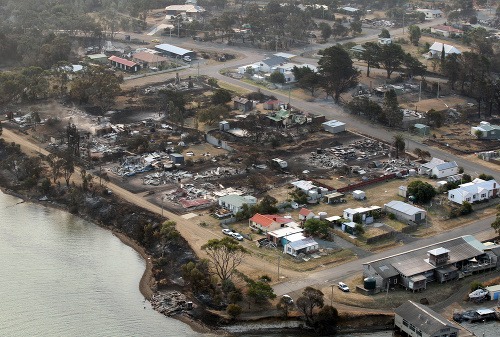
(475, 285)
(233, 310)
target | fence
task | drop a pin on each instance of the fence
(380, 237)
(367, 182)
(133, 77)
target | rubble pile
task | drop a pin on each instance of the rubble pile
(170, 303)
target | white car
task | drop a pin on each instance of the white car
(227, 232)
(287, 299)
(237, 236)
(342, 286)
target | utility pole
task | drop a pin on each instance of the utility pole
(331, 299)
(404, 22)
(279, 260)
(438, 91)
(420, 91)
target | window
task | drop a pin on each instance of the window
(452, 196)
(483, 195)
(405, 322)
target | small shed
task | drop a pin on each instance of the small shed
(405, 212)
(301, 246)
(494, 292)
(177, 158)
(223, 125)
(349, 227)
(99, 58)
(242, 104)
(359, 195)
(333, 126)
(334, 197)
(402, 191)
(422, 129)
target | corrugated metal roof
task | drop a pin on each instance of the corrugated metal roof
(403, 207)
(445, 166)
(300, 244)
(423, 318)
(173, 49)
(120, 60)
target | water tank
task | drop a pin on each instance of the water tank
(369, 283)
(322, 215)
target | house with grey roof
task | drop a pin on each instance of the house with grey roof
(438, 168)
(301, 245)
(417, 320)
(485, 130)
(405, 212)
(443, 261)
(475, 191)
(235, 202)
(436, 50)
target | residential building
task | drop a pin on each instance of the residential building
(313, 192)
(268, 222)
(417, 320)
(384, 40)
(446, 31)
(476, 190)
(422, 129)
(405, 212)
(278, 236)
(188, 10)
(235, 202)
(488, 131)
(264, 66)
(438, 168)
(361, 214)
(441, 262)
(272, 104)
(306, 214)
(436, 50)
(98, 58)
(149, 59)
(349, 227)
(301, 246)
(333, 126)
(242, 104)
(431, 14)
(123, 64)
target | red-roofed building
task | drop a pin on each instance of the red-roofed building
(267, 222)
(124, 64)
(149, 59)
(306, 214)
(446, 30)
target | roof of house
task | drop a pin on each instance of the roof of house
(273, 61)
(333, 123)
(433, 163)
(149, 57)
(236, 200)
(361, 209)
(285, 55)
(241, 100)
(421, 126)
(262, 220)
(125, 62)
(474, 187)
(403, 207)
(304, 185)
(423, 318)
(446, 166)
(447, 29)
(278, 219)
(416, 261)
(448, 49)
(185, 8)
(433, 11)
(303, 243)
(97, 56)
(305, 211)
(485, 126)
(173, 49)
(285, 231)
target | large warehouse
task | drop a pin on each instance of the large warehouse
(174, 51)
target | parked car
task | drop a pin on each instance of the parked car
(287, 299)
(227, 231)
(342, 286)
(237, 236)
(155, 41)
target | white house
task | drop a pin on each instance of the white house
(405, 212)
(438, 168)
(431, 13)
(301, 246)
(436, 50)
(234, 202)
(475, 191)
(488, 131)
(366, 213)
(313, 192)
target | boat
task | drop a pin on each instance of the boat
(478, 294)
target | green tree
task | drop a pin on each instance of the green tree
(436, 118)
(55, 164)
(414, 34)
(284, 306)
(68, 167)
(485, 176)
(221, 96)
(316, 227)
(337, 72)
(260, 291)
(197, 275)
(311, 298)
(384, 34)
(168, 231)
(327, 320)
(371, 55)
(422, 192)
(213, 114)
(391, 57)
(277, 77)
(267, 205)
(466, 208)
(359, 229)
(325, 29)
(233, 310)
(399, 144)
(225, 256)
(392, 112)
(356, 27)
(496, 224)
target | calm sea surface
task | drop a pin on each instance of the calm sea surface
(63, 276)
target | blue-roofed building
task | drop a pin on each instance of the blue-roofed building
(174, 51)
(301, 246)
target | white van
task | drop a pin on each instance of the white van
(187, 58)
